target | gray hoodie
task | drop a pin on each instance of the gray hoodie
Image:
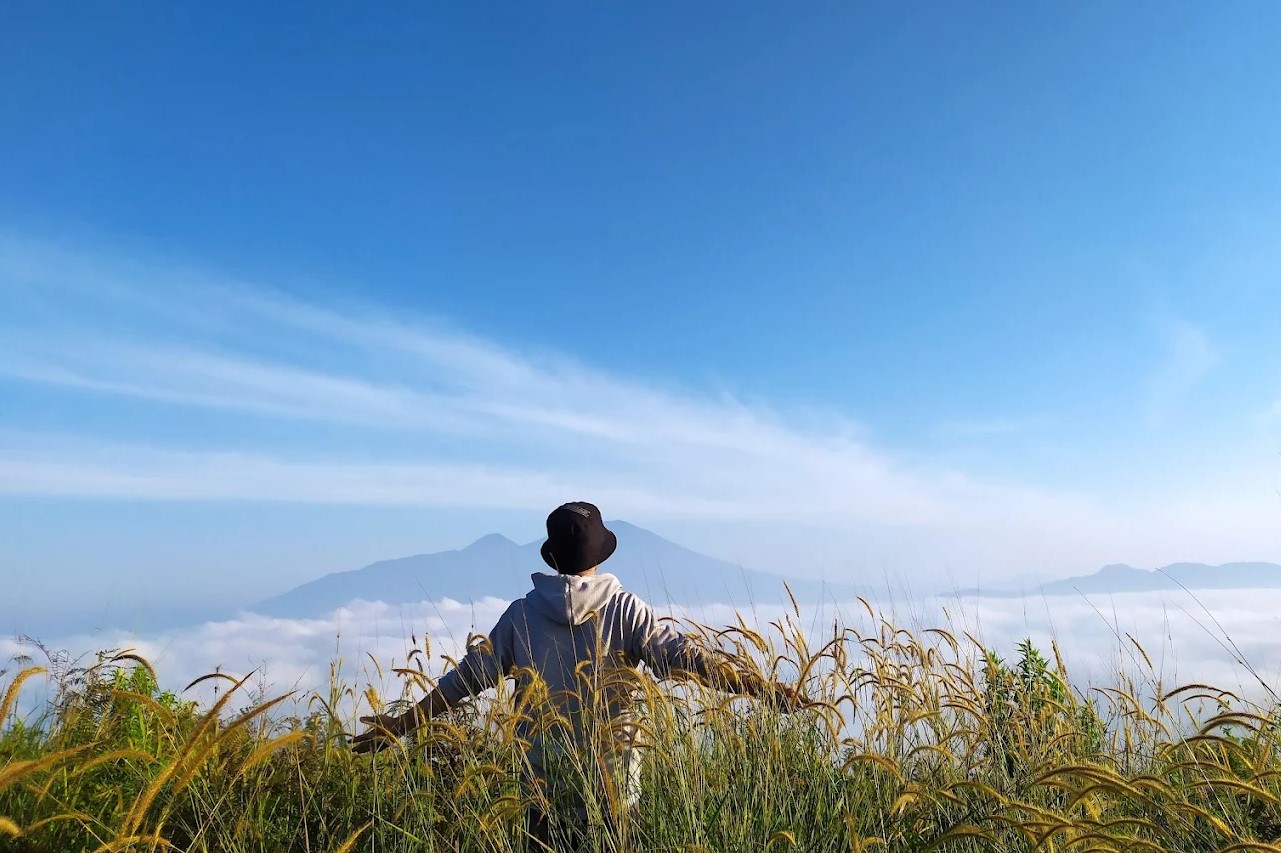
(575, 632)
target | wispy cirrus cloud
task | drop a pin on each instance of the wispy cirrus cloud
(431, 416)
(397, 376)
(1187, 359)
(1271, 415)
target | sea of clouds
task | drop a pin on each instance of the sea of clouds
(1228, 638)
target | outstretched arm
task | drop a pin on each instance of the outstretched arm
(730, 680)
(482, 667)
(668, 652)
(686, 657)
(386, 729)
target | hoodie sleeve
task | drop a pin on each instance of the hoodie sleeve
(661, 647)
(484, 665)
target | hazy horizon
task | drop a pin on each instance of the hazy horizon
(178, 613)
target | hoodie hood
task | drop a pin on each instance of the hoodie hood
(569, 599)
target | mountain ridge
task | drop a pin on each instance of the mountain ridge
(495, 566)
(1121, 577)
(665, 572)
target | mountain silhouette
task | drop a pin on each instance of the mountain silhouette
(1118, 578)
(494, 566)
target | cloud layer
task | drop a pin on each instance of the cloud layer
(405, 411)
(1202, 639)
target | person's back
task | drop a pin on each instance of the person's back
(577, 636)
(580, 636)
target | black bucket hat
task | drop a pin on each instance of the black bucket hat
(577, 538)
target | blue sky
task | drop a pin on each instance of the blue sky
(861, 287)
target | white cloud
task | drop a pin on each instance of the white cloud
(1184, 642)
(396, 375)
(1187, 359)
(432, 417)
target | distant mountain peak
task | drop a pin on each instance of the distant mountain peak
(1176, 577)
(1116, 569)
(494, 565)
(491, 542)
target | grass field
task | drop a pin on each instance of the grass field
(916, 740)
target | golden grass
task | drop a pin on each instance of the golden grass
(914, 740)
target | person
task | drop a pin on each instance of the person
(574, 630)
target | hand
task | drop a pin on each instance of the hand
(384, 731)
(785, 699)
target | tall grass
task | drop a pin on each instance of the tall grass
(915, 740)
